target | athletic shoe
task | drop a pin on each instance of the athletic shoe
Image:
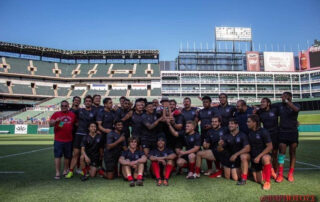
(290, 177)
(266, 186)
(101, 173)
(279, 178)
(132, 184)
(208, 172)
(195, 175)
(166, 182)
(159, 182)
(190, 175)
(242, 182)
(79, 171)
(69, 175)
(216, 174)
(83, 178)
(139, 183)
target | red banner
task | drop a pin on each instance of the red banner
(253, 61)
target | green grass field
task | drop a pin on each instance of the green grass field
(35, 182)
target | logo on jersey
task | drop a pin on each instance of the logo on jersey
(271, 114)
(136, 156)
(191, 139)
(228, 110)
(91, 115)
(238, 139)
(258, 136)
(193, 113)
(98, 140)
(209, 112)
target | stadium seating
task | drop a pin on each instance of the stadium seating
(120, 75)
(44, 90)
(156, 70)
(3, 88)
(44, 115)
(117, 92)
(138, 92)
(21, 89)
(77, 92)
(96, 92)
(63, 91)
(44, 68)
(102, 70)
(53, 101)
(66, 69)
(156, 92)
(27, 114)
(140, 71)
(117, 66)
(84, 69)
(19, 66)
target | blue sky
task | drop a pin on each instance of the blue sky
(162, 25)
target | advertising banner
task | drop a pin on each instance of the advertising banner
(21, 129)
(253, 61)
(278, 62)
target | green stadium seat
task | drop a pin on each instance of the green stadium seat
(44, 68)
(117, 92)
(156, 70)
(156, 92)
(77, 92)
(44, 90)
(140, 71)
(63, 91)
(117, 66)
(17, 65)
(3, 88)
(66, 69)
(96, 92)
(138, 93)
(102, 70)
(21, 89)
(84, 69)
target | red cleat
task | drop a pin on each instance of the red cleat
(101, 173)
(216, 174)
(266, 186)
(290, 177)
(279, 178)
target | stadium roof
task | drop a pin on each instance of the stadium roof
(78, 54)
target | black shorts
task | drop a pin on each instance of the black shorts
(94, 160)
(62, 149)
(150, 144)
(289, 138)
(256, 167)
(225, 161)
(111, 160)
(275, 140)
(77, 141)
(179, 142)
(217, 155)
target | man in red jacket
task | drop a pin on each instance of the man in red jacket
(63, 122)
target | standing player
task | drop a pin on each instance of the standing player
(234, 148)
(288, 133)
(115, 143)
(261, 146)
(96, 103)
(205, 116)
(210, 145)
(121, 113)
(162, 159)
(106, 117)
(189, 113)
(225, 110)
(192, 141)
(150, 130)
(269, 117)
(135, 117)
(132, 161)
(176, 120)
(90, 147)
(242, 113)
(62, 122)
(85, 116)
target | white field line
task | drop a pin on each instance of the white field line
(307, 164)
(11, 172)
(28, 152)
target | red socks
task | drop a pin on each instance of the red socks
(280, 170)
(84, 170)
(244, 176)
(267, 172)
(168, 171)
(209, 164)
(291, 170)
(130, 178)
(71, 170)
(217, 164)
(191, 167)
(139, 177)
(156, 169)
(198, 170)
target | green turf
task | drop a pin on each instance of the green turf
(37, 183)
(309, 118)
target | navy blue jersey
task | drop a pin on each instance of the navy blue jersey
(190, 115)
(136, 124)
(205, 116)
(178, 119)
(233, 144)
(190, 141)
(214, 136)
(288, 117)
(163, 153)
(258, 140)
(120, 114)
(269, 119)
(85, 118)
(242, 118)
(149, 119)
(128, 155)
(225, 113)
(92, 144)
(107, 118)
(98, 109)
(112, 137)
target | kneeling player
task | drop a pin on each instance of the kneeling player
(162, 157)
(210, 145)
(192, 141)
(261, 146)
(234, 148)
(90, 146)
(115, 143)
(132, 161)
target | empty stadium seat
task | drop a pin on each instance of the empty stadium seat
(44, 90)
(138, 92)
(156, 92)
(117, 92)
(102, 70)
(44, 68)
(3, 88)
(140, 71)
(63, 91)
(17, 65)
(21, 89)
